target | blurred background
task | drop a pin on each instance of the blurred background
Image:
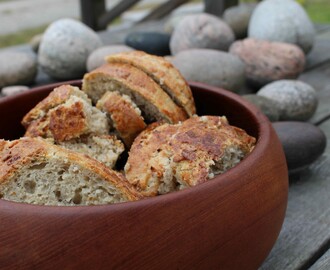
(20, 20)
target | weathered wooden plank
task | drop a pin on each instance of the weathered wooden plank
(91, 10)
(218, 7)
(319, 78)
(323, 263)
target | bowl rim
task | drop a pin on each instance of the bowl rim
(264, 130)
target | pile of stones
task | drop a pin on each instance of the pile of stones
(255, 50)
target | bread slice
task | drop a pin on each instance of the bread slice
(104, 148)
(186, 154)
(124, 115)
(128, 80)
(57, 97)
(37, 172)
(71, 119)
(162, 72)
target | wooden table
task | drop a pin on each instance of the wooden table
(304, 242)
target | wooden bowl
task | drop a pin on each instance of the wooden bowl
(230, 222)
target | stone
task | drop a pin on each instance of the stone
(97, 57)
(65, 47)
(201, 31)
(212, 67)
(150, 42)
(267, 106)
(269, 61)
(172, 22)
(17, 68)
(282, 21)
(296, 100)
(238, 18)
(302, 143)
(13, 90)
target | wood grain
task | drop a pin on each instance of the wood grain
(323, 263)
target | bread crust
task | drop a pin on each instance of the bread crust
(58, 96)
(125, 118)
(137, 84)
(163, 72)
(25, 152)
(182, 154)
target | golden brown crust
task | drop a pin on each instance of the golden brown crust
(22, 153)
(61, 123)
(124, 117)
(163, 72)
(138, 83)
(58, 96)
(183, 152)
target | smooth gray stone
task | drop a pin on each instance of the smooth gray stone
(201, 31)
(13, 90)
(17, 68)
(212, 67)
(302, 143)
(296, 100)
(266, 105)
(150, 42)
(97, 57)
(283, 21)
(65, 47)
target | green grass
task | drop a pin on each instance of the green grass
(318, 10)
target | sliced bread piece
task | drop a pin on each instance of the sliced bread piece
(162, 72)
(104, 148)
(37, 172)
(129, 80)
(71, 119)
(124, 115)
(57, 97)
(185, 154)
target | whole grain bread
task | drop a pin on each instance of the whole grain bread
(129, 80)
(37, 172)
(186, 154)
(123, 114)
(162, 72)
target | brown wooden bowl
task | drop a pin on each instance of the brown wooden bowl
(230, 222)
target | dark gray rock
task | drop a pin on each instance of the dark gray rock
(150, 42)
(201, 31)
(17, 68)
(97, 57)
(296, 100)
(283, 21)
(65, 47)
(266, 105)
(302, 143)
(212, 67)
(238, 18)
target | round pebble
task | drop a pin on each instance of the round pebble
(97, 57)
(238, 18)
(65, 47)
(17, 68)
(266, 105)
(213, 67)
(150, 42)
(201, 31)
(35, 42)
(13, 90)
(302, 143)
(283, 21)
(269, 61)
(296, 100)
